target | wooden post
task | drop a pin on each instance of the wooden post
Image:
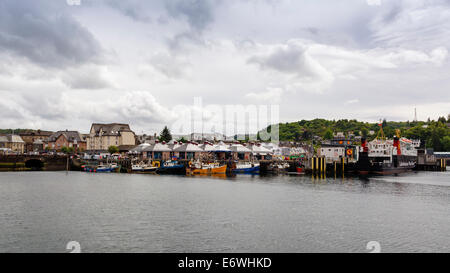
(320, 164)
(317, 163)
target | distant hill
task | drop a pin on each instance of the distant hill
(433, 134)
(16, 131)
(20, 131)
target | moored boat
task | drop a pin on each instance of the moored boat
(143, 168)
(171, 167)
(247, 168)
(387, 156)
(98, 168)
(206, 169)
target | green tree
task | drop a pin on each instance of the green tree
(446, 143)
(67, 150)
(165, 135)
(328, 134)
(364, 132)
(182, 139)
(113, 149)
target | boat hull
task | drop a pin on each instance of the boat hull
(145, 170)
(252, 170)
(206, 171)
(399, 164)
(177, 169)
(97, 170)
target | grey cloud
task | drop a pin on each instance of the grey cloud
(45, 35)
(412, 24)
(183, 41)
(199, 13)
(133, 9)
(85, 78)
(288, 59)
(169, 65)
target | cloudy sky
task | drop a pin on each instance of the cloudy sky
(65, 66)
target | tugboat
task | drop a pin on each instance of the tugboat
(384, 156)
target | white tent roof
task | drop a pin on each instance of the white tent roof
(256, 149)
(158, 147)
(140, 147)
(188, 148)
(221, 147)
(207, 147)
(238, 148)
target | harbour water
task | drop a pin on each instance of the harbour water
(43, 211)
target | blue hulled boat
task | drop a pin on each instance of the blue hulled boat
(171, 167)
(247, 168)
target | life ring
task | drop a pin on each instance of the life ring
(349, 152)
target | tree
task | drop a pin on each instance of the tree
(328, 134)
(67, 150)
(113, 149)
(364, 132)
(446, 143)
(165, 135)
(182, 139)
(442, 119)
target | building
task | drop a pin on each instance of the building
(337, 149)
(102, 136)
(140, 139)
(35, 140)
(69, 139)
(12, 142)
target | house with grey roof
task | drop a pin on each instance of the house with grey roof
(13, 142)
(104, 135)
(69, 139)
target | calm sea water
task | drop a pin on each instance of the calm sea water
(42, 211)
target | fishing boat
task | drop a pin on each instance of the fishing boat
(206, 169)
(98, 169)
(171, 167)
(143, 168)
(247, 168)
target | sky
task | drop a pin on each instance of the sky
(65, 66)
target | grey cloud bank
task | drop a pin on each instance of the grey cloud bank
(66, 66)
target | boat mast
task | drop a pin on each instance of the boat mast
(380, 134)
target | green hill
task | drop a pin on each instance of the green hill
(433, 134)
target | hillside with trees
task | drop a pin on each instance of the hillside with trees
(432, 133)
